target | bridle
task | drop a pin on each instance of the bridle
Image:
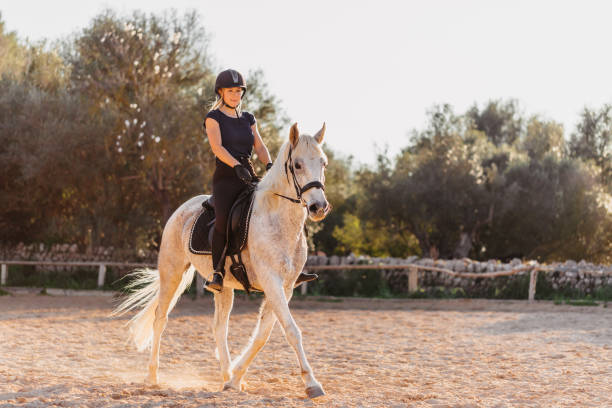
(299, 191)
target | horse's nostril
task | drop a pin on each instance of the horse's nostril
(313, 208)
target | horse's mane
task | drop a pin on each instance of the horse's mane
(272, 179)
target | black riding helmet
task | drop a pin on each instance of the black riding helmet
(229, 79)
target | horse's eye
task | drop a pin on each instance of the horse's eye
(298, 166)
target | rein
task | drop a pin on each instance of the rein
(298, 189)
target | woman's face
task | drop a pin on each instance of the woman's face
(232, 96)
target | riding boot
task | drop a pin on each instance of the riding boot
(216, 284)
(305, 277)
(218, 258)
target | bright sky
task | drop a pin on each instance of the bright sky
(371, 69)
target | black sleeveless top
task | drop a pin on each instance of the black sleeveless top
(236, 134)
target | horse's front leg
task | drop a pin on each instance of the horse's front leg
(261, 333)
(278, 298)
(224, 301)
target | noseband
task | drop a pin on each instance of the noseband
(298, 189)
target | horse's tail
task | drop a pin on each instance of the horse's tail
(144, 295)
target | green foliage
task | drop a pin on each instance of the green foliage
(148, 72)
(12, 54)
(592, 142)
(513, 193)
(271, 119)
(342, 192)
(500, 122)
(101, 142)
(366, 283)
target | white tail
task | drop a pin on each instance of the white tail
(146, 296)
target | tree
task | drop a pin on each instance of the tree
(436, 190)
(543, 138)
(148, 71)
(266, 107)
(12, 54)
(592, 142)
(550, 211)
(50, 154)
(500, 122)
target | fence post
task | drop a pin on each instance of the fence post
(101, 275)
(413, 278)
(532, 284)
(3, 275)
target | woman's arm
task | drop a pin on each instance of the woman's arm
(260, 147)
(214, 138)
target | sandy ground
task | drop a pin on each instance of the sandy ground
(65, 351)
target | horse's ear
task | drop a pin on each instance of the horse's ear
(294, 135)
(319, 136)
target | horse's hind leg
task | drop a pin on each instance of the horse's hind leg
(224, 301)
(170, 276)
(265, 324)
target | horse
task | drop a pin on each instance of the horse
(274, 256)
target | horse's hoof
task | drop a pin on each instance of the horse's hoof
(230, 386)
(315, 391)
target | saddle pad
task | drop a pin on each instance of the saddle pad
(198, 241)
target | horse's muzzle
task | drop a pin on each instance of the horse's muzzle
(318, 210)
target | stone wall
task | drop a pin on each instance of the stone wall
(71, 253)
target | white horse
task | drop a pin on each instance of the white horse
(274, 256)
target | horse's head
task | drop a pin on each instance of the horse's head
(305, 163)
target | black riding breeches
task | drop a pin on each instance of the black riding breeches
(226, 188)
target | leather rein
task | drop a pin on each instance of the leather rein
(299, 190)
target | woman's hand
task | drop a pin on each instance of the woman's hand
(242, 173)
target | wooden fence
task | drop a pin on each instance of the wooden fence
(100, 265)
(412, 271)
(411, 268)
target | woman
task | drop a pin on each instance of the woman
(232, 134)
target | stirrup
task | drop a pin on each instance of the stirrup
(216, 284)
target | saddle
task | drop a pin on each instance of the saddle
(200, 239)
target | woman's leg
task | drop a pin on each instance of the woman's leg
(225, 192)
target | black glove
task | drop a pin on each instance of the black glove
(242, 173)
(269, 166)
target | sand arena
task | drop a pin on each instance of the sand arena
(66, 351)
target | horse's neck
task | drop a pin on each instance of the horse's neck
(291, 216)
